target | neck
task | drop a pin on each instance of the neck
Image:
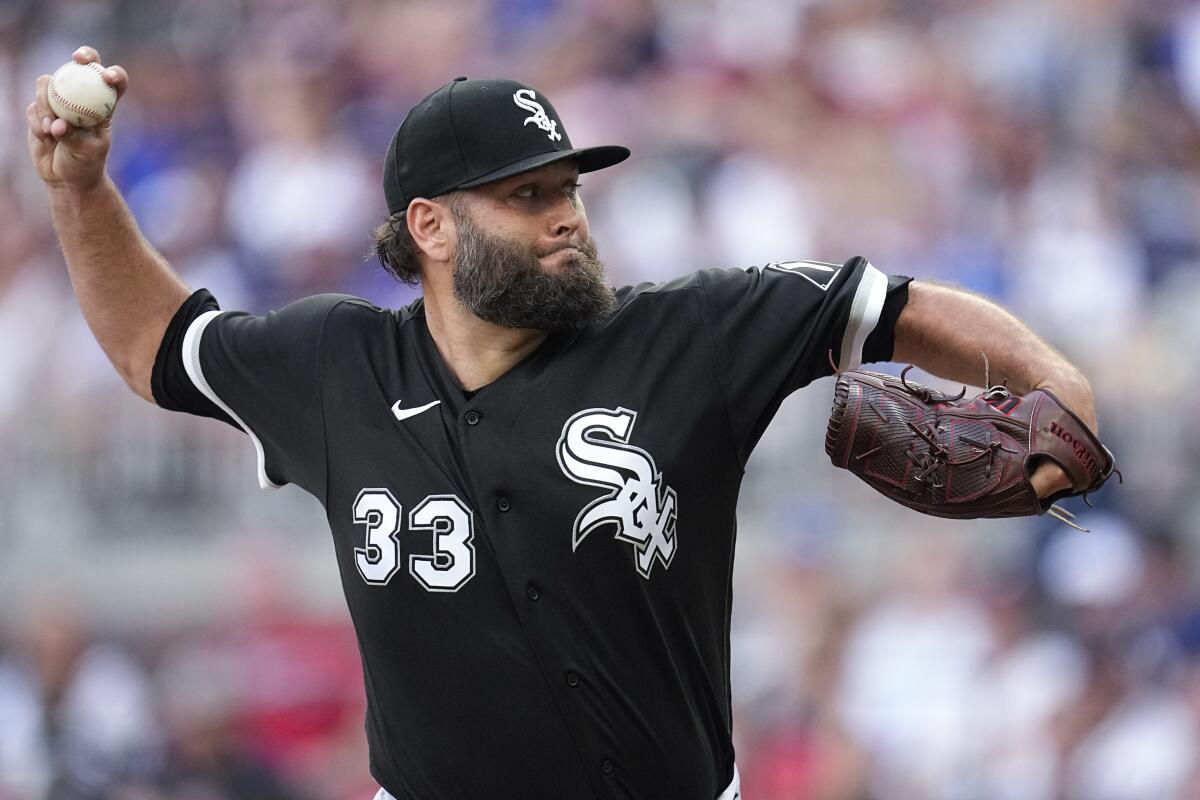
(475, 351)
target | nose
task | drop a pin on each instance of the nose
(567, 219)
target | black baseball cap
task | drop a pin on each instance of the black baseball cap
(472, 132)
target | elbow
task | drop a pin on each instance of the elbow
(136, 373)
(135, 364)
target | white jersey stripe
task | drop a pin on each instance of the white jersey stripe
(191, 363)
(864, 316)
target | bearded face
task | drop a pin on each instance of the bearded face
(504, 283)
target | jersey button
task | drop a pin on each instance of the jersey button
(572, 679)
(472, 417)
(533, 592)
(606, 766)
(503, 504)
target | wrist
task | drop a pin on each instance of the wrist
(1069, 380)
(1074, 390)
(77, 193)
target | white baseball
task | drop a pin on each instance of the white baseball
(78, 94)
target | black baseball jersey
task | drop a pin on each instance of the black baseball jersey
(539, 572)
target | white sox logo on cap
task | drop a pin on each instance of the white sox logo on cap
(524, 99)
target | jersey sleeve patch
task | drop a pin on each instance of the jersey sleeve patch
(819, 273)
(195, 371)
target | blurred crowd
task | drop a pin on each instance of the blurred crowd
(167, 631)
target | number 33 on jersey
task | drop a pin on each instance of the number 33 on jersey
(444, 516)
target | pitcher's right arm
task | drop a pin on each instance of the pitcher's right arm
(126, 289)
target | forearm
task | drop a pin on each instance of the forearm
(946, 331)
(127, 291)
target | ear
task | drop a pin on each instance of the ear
(432, 227)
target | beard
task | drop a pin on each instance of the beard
(504, 283)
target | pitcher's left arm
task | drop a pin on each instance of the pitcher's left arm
(946, 331)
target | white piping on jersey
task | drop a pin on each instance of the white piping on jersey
(732, 792)
(191, 363)
(864, 316)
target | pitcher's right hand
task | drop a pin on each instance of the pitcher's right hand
(67, 156)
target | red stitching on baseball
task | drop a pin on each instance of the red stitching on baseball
(78, 109)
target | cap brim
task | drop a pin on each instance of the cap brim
(590, 159)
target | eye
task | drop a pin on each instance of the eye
(572, 189)
(527, 192)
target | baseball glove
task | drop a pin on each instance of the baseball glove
(963, 459)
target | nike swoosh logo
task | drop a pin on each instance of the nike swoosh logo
(404, 413)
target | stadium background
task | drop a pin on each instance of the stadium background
(167, 630)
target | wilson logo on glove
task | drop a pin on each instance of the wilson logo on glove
(1080, 450)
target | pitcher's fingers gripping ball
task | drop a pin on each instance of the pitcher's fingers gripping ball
(965, 459)
(79, 94)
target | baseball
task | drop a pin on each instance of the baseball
(78, 94)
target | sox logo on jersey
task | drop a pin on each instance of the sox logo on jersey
(524, 99)
(594, 450)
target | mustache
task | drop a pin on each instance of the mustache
(587, 247)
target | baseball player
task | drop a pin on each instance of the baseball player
(530, 478)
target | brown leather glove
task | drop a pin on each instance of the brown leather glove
(963, 459)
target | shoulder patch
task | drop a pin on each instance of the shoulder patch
(818, 273)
